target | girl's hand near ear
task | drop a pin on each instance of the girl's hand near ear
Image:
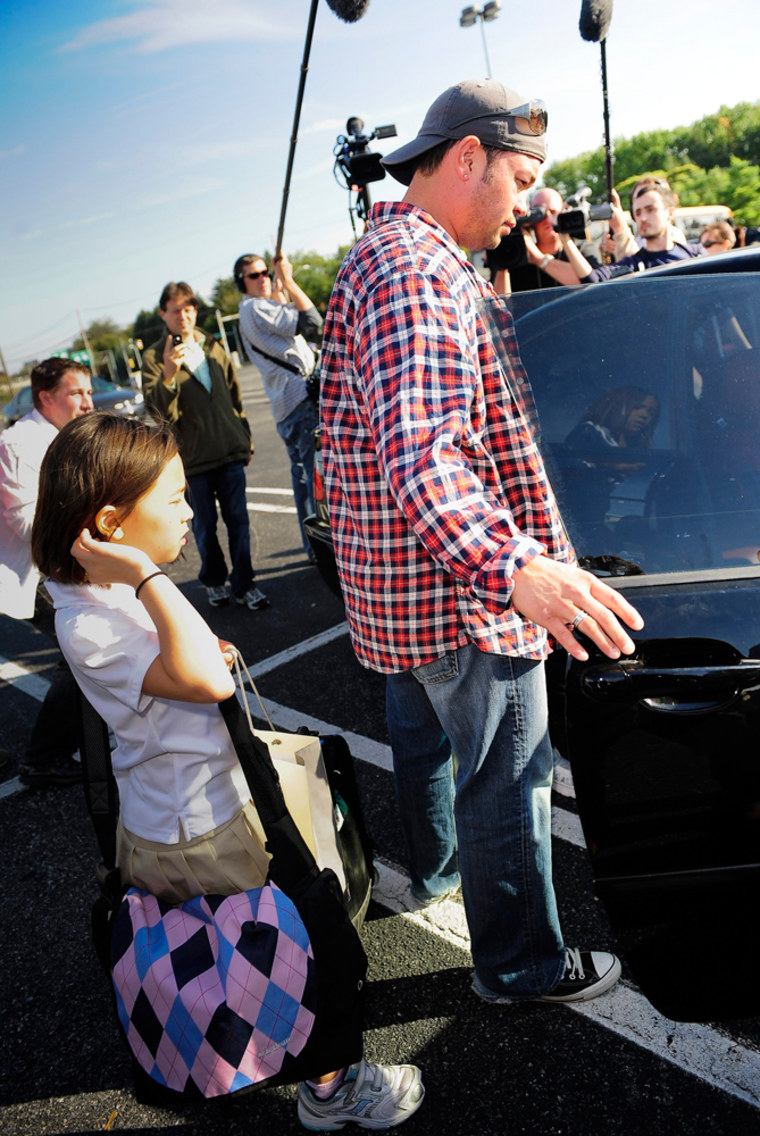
(191, 665)
(109, 563)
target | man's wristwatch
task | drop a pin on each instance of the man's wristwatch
(545, 260)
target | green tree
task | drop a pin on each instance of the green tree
(225, 296)
(688, 156)
(103, 335)
(148, 326)
(316, 274)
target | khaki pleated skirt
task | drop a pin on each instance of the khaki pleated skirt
(227, 860)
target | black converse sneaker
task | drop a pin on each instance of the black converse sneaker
(587, 973)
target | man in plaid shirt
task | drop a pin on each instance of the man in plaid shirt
(451, 552)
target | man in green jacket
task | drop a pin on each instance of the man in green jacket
(190, 381)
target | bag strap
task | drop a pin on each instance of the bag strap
(293, 864)
(100, 791)
(274, 359)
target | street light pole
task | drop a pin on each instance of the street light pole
(471, 16)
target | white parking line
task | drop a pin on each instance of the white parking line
(298, 649)
(273, 492)
(261, 507)
(24, 679)
(9, 787)
(703, 1051)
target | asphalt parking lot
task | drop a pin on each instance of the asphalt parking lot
(611, 1068)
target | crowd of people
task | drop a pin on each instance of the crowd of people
(454, 563)
(542, 255)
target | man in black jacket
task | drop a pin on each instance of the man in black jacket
(190, 381)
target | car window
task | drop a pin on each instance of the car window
(646, 400)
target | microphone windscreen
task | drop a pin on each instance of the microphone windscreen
(595, 19)
(349, 10)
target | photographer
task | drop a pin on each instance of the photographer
(523, 262)
(276, 316)
(653, 205)
(623, 241)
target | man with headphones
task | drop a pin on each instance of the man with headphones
(275, 319)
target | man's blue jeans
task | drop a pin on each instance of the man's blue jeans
(225, 484)
(297, 432)
(493, 828)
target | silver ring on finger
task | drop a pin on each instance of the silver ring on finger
(578, 620)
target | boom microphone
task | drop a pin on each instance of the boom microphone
(595, 19)
(349, 10)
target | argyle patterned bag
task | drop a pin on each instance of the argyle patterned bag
(215, 994)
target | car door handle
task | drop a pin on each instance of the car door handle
(630, 681)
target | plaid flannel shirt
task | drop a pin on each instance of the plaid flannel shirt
(437, 492)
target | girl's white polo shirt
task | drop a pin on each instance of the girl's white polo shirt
(175, 767)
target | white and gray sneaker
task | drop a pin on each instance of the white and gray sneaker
(254, 599)
(219, 595)
(370, 1096)
(563, 776)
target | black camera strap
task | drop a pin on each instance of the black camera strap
(274, 359)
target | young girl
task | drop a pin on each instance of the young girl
(111, 508)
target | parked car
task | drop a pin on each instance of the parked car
(645, 398)
(105, 396)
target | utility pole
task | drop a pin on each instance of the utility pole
(5, 373)
(86, 342)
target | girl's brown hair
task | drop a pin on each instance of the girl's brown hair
(96, 460)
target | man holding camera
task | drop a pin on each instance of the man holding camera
(275, 319)
(451, 551)
(523, 262)
(190, 381)
(653, 205)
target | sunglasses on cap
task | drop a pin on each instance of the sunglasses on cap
(257, 275)
(534, 114)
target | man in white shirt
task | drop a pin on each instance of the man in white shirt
(61, 391)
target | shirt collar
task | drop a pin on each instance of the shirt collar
(385, 212)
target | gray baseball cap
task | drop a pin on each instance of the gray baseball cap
(495, 114)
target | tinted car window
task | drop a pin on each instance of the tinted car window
(647, 400)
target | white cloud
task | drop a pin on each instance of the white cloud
(222, 151)
(136, 103)
(173, 195)
(326, 124)
(82, 221)
(13, 153)
(159, 25)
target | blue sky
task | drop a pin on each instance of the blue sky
(146, 140)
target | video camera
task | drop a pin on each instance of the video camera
(574, 221)
(357, 164)
(578, 214)
(532, 218)
(576, 217)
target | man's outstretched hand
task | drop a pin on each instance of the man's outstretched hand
(563, 598)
